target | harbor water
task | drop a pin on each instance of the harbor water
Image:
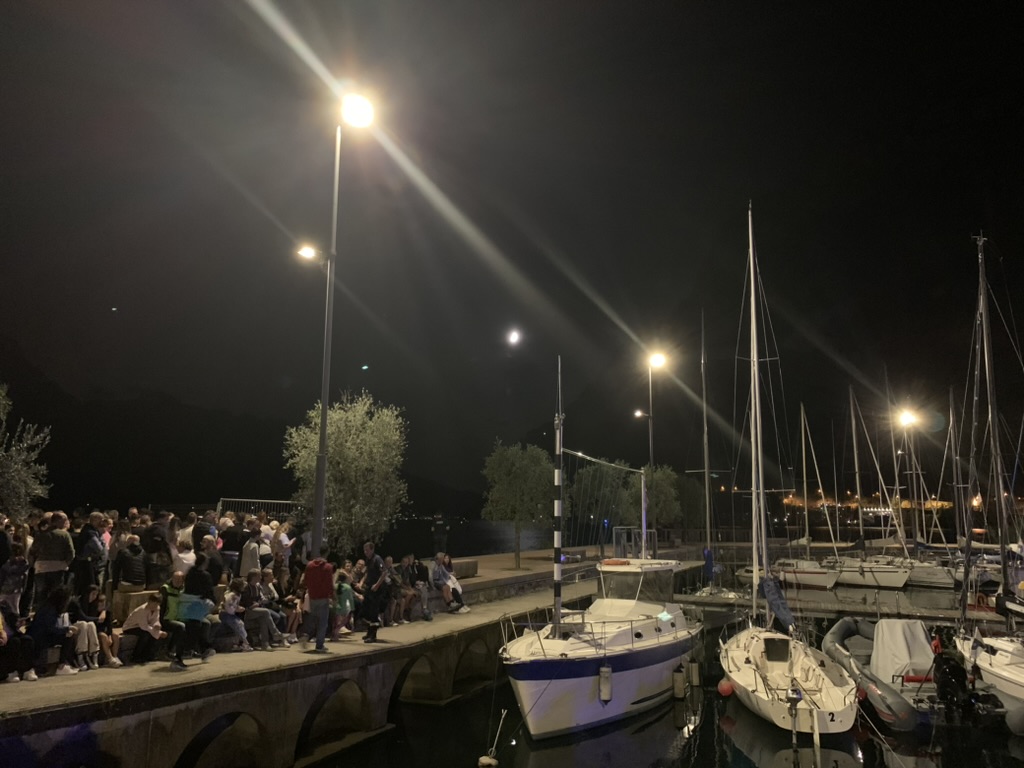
(703, 730)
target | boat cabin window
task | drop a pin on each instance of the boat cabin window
(654, 586)
(776, 649)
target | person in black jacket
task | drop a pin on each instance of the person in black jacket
(129, 570)
(89, 556)
(198, 585)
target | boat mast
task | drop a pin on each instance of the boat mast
(958, 489)
(707, 459)
(993, 413)
(756, 470)
(856, 468)
(556, 619)
(803, 456)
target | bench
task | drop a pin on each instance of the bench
(465, 567)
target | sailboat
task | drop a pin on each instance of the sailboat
(612, 660)
(778, 676)
(1000, 660)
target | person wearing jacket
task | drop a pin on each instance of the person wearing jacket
(90, 556)
(51, 553)
(50, 627)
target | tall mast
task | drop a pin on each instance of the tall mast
(707, 459)
(756, 470)
(856, 468)
(803, 455)
(958, 489)
(993, 411)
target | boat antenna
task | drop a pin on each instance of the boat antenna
(556, 520)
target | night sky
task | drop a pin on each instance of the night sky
(591, 164)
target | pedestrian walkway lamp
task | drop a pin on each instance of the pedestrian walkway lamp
(657, 360)
(356, 111)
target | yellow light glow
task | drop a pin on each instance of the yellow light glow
(638, 413)
(356, 110)
(307, 252)
(657, 360)
(907, 418)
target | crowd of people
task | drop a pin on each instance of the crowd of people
(239, 582)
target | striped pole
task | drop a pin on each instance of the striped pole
(556, 521)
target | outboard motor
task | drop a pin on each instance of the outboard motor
(951, 684)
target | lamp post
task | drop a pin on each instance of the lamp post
(908, 419)
(657, 360)
(357, 111)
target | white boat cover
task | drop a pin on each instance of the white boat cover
(902, 647)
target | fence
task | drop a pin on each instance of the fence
(276, 510)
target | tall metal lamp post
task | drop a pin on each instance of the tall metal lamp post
(908, 420)
(657, 360)
(356, 111)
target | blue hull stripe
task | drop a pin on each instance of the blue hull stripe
(569, 669)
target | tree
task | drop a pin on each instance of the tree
(22, 476)
(662, 496)
(599, 491)
(520, 482)
(366, 444)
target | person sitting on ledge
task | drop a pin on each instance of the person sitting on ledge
(258, 618)
(232, 611)
(17, 651)
(109, 642)
(144, 625)
(444, 579)
(49, 627)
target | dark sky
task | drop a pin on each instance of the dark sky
(164, 159)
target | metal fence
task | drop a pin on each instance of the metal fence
(275, 509)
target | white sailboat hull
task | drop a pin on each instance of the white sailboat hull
(1003, 669)
(806, 574)
(931, 576)
(828, 702)
(872, 575)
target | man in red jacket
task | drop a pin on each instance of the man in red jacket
(320, 589)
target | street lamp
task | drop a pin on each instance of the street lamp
(908, 419)
(657, 360)
(356, 111)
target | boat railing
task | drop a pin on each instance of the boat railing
(596, 634)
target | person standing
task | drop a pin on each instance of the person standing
(320, 590)
(51, 553)
(374, 595)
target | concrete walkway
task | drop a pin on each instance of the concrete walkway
(104, 684)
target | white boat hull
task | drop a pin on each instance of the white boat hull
(931, 576)
(873, 575)
(559, 696)
(763, 689)
(807, 577)
(1004, 669)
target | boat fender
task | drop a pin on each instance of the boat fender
(724, 687)
(679, 682)
(695, 674)
(614, 562)
(604, 683)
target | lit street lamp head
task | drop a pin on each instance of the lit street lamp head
(307, 252)
(514, 337)
(356, 110)
(657, 360)
(639, 414)
(907, 418)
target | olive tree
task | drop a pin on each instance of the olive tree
(22, 476)
(520, 483)
(366, 444)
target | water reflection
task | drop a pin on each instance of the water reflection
(655, 739)
(753, 741)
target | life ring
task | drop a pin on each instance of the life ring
(615, 562)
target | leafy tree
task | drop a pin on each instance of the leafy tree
(662, 497)
(366, 444)
(22, 476)
(600, 490)
(520, 482)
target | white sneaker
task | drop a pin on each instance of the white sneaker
(13, 678)
(115, 662)
(463, 609)
(64, 669)
(30, 676)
